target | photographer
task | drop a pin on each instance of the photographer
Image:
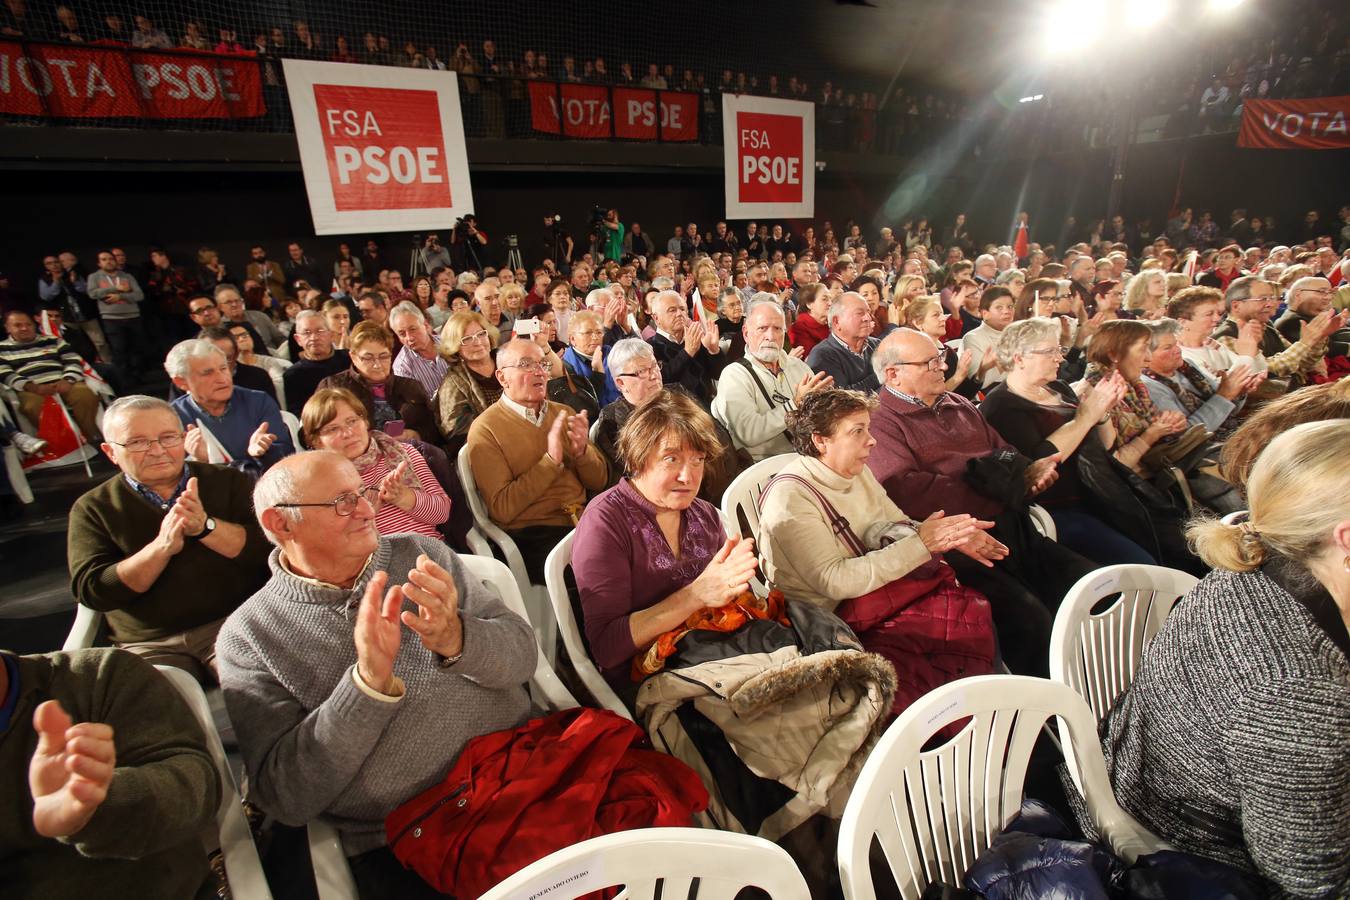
(612, 248)
(469, 244)
(434, 256)
(558, 243)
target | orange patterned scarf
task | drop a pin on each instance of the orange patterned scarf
(722, 618)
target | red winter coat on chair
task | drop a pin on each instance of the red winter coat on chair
(514, 797)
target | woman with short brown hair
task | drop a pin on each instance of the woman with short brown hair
(648, 552)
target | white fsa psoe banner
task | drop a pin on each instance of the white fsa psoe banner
(769, 157)
(382, 148)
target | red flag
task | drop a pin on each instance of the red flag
(54, 428)
(1020, 243)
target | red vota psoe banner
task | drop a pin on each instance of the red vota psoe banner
(79, 82)
(382, 148)
(769, 157)
(1317, 123)
(587, 113)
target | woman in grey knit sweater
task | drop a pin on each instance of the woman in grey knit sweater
(1234, 740)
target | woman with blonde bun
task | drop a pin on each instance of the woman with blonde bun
(1233, 742)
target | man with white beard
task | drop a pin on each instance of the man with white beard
(755, 393)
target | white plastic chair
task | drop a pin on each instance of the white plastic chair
(742, 495)
(723, 863)
(1098, 654)
(243, 867)
(934, 811)
(545, 686)
(488, 533)
(585, 667)
(332, 874)
(293, 425)
(84, 630)
(1041, 521)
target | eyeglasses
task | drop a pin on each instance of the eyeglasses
(201, 309)
(589, 332)
(309, 334)
(343, 504)
(346, 426)
(648, 372)
(1327, 291)
(469, 338)
(1049, 351)
(527, 367)
(141, 445)
(933, 364)
(372, 358)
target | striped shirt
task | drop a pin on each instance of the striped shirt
(429, 373)
(43, 361)
(431, 506)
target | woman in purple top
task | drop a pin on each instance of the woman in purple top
(648, 553)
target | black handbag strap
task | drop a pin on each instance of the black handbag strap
(838, 524)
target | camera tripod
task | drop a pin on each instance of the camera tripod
(513, 260)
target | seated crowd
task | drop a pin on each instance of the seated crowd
(277, 526)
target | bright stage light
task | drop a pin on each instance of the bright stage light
(1073, 24)
(1146, 13)
(1221, 5)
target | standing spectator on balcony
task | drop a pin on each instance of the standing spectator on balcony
(300, 267)
(267, 273)
(193, 39)
(1240, 228)
(119, 299)
(65, 287)
(692, 243)
(68, 26)
(372, 260)
(723, 240)
(167, 289)
(305, 45)
(1205, 233)
(654, 79)
(147, 36)
(267, 336)
(614, 233)
(958, 235)
(676, 242)
(637, 243)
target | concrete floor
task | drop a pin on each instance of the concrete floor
(36, 607)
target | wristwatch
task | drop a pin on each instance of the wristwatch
(207, 530)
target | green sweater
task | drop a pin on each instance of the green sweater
(143, 841)
(198, 586)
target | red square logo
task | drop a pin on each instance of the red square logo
(384, 147)
(769, 157)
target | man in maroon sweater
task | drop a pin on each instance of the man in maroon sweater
(936, 452)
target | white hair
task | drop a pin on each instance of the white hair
(1160, 328)
(407, 308)
(764, 300)
(625, 351)
(599, 298)
(837, 305)
(179, 359)
(307, 314)
(985, 258)
(1021, 337)
(278, 485)
(124, 408)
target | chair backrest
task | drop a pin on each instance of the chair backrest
(483, 523)
(721, 863)
(293, 425)
(1237, 517)
(934, 811)
(545, 686)
(243, 867)
(740, 501)
(555, 568)
(1041, 521)
(1098, 653)
(85, 629)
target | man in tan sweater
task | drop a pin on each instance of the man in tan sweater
(531, 459)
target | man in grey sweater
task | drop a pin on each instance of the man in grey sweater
(338, 716)
(119, 306)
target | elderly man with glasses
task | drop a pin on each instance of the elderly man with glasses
(755, 393)
(532, 459)
(356, 675)
(1309, 298)
(231, 303)
(935, 452)
(167, 548)
(318, 359)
